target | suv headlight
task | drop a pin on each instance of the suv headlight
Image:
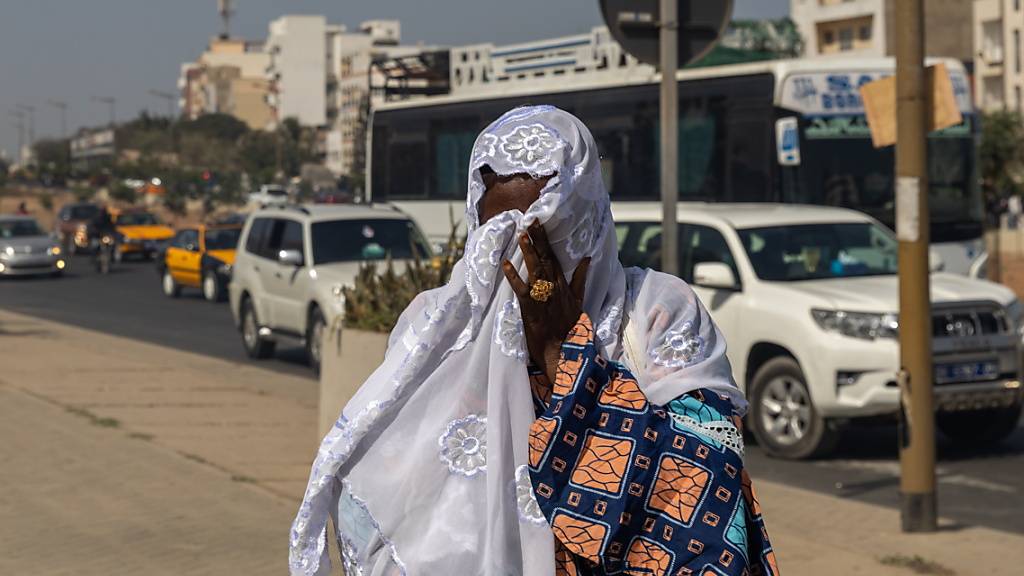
(1015, 317)
(53, 250)
(863, 325)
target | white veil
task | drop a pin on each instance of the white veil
(424, 472)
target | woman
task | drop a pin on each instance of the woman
(522, 422)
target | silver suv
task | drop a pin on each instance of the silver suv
(293, 261)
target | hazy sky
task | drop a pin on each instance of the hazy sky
(75, 50)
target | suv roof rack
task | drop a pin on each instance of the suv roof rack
(296, 207)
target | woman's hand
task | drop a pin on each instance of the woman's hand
(549, 306)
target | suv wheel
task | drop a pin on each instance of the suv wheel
(782, 415)
(314, 339)
(255, 346)
(980, 427)
(213, 291)
(170, 286)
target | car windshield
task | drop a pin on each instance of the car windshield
(362, 240)
(137, 219)
(87, 212)
(815, 251)
(19, 228)
(222, 238)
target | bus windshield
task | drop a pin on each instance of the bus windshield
(851, 172)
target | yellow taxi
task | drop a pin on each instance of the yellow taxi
(139, 233)
(200, 257)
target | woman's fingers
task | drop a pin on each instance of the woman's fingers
(539, 236)
(518, 286)
(530, 257)
(578, 285)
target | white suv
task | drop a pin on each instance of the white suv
(807, 298)
(293, 261)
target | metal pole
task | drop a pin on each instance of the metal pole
(917, 417)
(63, 107)
(669, 42)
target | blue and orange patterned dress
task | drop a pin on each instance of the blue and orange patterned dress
(636, 489)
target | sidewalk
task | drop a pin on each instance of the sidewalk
(119, 457)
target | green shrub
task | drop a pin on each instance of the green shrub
(377, 298)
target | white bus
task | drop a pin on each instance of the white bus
(775, 131)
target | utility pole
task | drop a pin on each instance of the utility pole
(19, 123)
(30, 112)
(109, 101)
(918, 507)
(669, 58)
(169, 98)
(63, 107)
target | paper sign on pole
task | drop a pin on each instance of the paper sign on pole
(879, 99)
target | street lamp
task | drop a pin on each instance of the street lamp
(169, 98)
(110, 101)
(31, 112)
(63, 107)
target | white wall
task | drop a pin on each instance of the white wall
(298, 49)
(807, 13)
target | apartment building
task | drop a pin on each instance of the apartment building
(998, 76)
(297, 71)
(228, 78)
(868, 27)
(360, 62)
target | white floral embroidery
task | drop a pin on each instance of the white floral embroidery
(486, 255)
(508, 331)
(530, 146)
(485, 148)
(680, 348)
(464, 445)
(526, 501)
(582, 239)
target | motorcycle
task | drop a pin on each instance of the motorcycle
(104, 255)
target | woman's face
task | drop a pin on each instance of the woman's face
(503, 193)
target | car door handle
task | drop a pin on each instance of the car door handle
(255, 268)
(277, 274)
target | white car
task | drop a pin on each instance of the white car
(269, 195)
(293, 261)
(807, 298)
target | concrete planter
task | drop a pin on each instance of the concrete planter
(349, 357)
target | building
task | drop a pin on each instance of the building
(297, 71)
(484, 66)
(867, 27)
(228, 78)
(998, 77)
(360, 62)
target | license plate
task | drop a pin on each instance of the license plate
(966, 372)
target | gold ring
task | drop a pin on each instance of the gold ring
(541, 290)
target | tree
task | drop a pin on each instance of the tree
(1001, 154)
(223, 127)
(52, 158)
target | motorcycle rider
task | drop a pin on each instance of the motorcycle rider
(101, 225)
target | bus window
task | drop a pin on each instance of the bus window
(452, 143)
(407, 166)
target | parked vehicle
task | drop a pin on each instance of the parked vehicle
(200, 257)
(293, 262)
(269, 195)
(26, 249)
(72, 226)
(807, 298)
(141, 234)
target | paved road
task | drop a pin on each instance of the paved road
(977, 487)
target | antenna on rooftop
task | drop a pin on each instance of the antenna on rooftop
(226, 10)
